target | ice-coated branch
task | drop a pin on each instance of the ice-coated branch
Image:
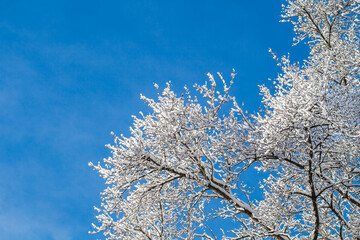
(183, 171)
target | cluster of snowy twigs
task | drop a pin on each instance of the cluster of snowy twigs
(189, 153)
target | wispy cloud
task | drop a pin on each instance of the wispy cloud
(27, 224)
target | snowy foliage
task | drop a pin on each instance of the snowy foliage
(187, 154)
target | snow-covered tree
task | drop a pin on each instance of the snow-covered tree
(184, 163)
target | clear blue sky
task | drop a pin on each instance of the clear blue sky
(72, 71)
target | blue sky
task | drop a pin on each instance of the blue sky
(72, 71)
